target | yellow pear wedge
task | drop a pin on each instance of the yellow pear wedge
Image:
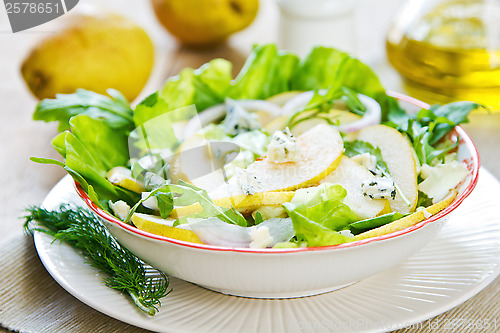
(399, 157)
(319, 152)
(121, 176)
(409, 220)
(281, 98)
(350, 175)
(242, 203)
(163, 227)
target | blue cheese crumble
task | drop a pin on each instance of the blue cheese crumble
(379, 188)
(238, 120)
(283, 147)
(247, 181)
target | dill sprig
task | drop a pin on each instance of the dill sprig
(81, 229)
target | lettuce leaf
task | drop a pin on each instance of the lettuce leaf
(203, 87)
(326, 67)
(109, 148)
(266, 72)
(318, 223)
(314, 234)
(89, 156)
(318, 70)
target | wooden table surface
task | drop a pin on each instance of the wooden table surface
(23, 183)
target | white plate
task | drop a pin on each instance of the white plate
(462, 260)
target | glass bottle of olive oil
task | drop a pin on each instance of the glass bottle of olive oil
(449, 50)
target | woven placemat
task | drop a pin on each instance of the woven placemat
(31, 301)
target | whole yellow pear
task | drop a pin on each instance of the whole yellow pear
(94, 52)
(203, 23)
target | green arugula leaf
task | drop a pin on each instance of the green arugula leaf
(352, 100)
(190, 194)
(114, 111)
(322, 103)
(445, 117)
(429, 127)
(356, 147)
(423, 200)
(165, 203)
(420, 136)
(258, 218)
(185, 194)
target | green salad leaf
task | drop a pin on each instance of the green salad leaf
(423, 200)
(375, 222)
(426, 129)
(115, 111)
(109, 148)
(203, 87)
(318, 219)
(184, 194)
(323, 102)
(325, 67)
(445, 118)
(266, 72)
(88, 157)
(356, 147)
(318, 70)
(314, 234)
(165, 203)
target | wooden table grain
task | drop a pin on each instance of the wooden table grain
(23, 183)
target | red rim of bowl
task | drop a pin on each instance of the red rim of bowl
(458, 200)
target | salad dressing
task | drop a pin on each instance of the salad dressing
(449, 51)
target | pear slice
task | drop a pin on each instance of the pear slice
(399, 157)
(281, 98)
(409, 220)
(163, 227)
(335, 115)
(121, 176)
(350, 175)
(320, 150)
(242, 203)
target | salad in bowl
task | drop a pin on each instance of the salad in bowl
(234, 183)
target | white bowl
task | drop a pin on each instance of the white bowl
(287, 273)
